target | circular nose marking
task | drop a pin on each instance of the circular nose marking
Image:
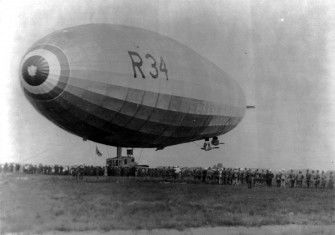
(44, 72)
(35, 70)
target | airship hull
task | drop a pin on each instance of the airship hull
(130, 87)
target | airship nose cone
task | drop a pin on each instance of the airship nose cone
(35, 70)
(44, 72)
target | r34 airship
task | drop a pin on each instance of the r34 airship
(129, 87)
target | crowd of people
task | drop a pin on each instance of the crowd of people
(214, 175)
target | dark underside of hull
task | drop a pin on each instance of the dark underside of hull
(106, 126)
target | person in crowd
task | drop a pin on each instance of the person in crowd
(177, 172)
(283, 180)
(243, 175)
(269, 176)
(291, 178)
(330, 184)
(278, 179)
(323, 179)
(308, 178)
(249, 178)
(239, 176)
(234, 177)
(257, 177)
(300, 178)
(224, 176)
(312, 178)
(317, 179)
(204, 175)
(220, 175)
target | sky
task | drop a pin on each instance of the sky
(282, 53)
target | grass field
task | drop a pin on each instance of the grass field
(48, 203)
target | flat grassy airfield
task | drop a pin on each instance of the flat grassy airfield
(40, 203)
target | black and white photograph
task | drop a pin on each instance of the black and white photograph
(167, 117)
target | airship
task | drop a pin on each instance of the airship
(129, 87)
